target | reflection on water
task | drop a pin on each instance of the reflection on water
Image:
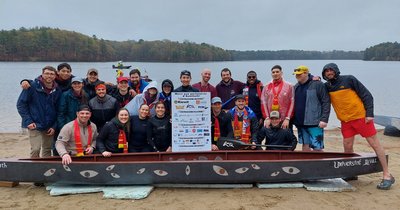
(380, 78)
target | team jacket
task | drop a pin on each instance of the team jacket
(350, 98)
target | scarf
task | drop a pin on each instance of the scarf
(246, 91)
(217, 131)
(275, 100)
(137, 88)
(122, 136)
(78, 141)
(242, 129)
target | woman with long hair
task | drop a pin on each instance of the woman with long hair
(114, 135)
(159, 129)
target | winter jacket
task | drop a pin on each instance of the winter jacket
(225, 125)
(36, 106)
(108, 137)
(317, 104)
(142, 85)
(186, 89)
(69, 105)
(138, 134)
(277, 136)
(253, 122)
(350, 98)
(103, 110)
(254, 98)
(228, 91)
(166, 98)
(134, 105)
(159, 133)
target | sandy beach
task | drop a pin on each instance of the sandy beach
(27, 196)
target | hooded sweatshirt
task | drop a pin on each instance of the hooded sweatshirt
(134, 105)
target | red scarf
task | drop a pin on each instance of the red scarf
(137, 88)
(122, 141)
(217, 131)
(242, 130)
(246, 91)
(275, 100)
(78, 142)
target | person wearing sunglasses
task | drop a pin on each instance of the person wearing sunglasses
(252, 93)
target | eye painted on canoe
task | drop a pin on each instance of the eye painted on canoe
(115, 175)
(160, 172)
(255, 166)
(242, 170)
(140, 171)
(276, 173)
(89, 173)
(220, 171)
(291, 170)
(66, 168)
(110, 167)
(50, 172)
(187, 170)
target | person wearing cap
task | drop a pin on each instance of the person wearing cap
(276, 135)
(70, 102)
(252, 93)
(78, 137)
(311, 110)
(149, 96)
(136, 83)
(354, 107)
(63, 78)
(228, 88)
(221, 125)
(90, 82)
(165, 95)
(37, 106)
(103, 106)
(278, 95)
(244, 121)
(186, 77)
(204, 85)
(121, 92)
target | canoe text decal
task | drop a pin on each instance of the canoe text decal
(3, 165)
(350, 163)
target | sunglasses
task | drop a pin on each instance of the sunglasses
(251, 77)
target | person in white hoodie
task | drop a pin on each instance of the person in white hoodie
(149, 96)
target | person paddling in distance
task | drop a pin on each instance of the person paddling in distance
(78, 137)
(113, 137)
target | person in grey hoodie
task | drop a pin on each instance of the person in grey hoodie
(149, 96)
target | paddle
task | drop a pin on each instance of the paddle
(231, 144)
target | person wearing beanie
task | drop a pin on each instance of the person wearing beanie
(354, 107)
(165, 95)
(186, 77)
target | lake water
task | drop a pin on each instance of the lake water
(380, 77)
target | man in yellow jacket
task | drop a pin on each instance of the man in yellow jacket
(354, 107)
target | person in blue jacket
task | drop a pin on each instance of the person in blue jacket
(37, 107)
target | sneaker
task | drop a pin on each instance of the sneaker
(386, 183)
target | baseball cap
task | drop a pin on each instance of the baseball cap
(76, 79)
(274, 114)
(300, 70)
(120, 79)
(92, 70)
(216, 100)
(186, 72)
(240, 96)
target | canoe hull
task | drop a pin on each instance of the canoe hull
(193, 171)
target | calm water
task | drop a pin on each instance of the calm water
(381, 79)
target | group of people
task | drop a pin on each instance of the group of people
(86, 116)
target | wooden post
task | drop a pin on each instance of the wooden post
(8, 184)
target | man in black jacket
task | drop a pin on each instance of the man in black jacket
(186, 77)
(221, 125)
(276, 135)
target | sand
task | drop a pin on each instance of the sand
(27, 196)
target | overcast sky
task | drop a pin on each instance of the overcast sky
(230, 24)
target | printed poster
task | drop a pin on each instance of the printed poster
(191, 121)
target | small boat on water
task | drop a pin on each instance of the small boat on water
(243, 166)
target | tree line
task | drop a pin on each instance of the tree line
(52, 44)
(387, 51)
